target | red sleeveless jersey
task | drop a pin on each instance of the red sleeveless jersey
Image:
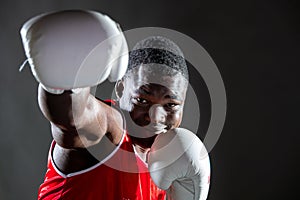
(121, 176)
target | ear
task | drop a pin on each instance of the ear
(119, 88)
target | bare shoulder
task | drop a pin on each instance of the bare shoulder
(114, 120)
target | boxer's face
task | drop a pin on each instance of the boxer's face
(154, 101)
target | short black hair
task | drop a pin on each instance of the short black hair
(160, 50)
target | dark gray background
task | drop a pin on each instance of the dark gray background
(255, 45)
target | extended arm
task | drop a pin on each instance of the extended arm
(70, 51)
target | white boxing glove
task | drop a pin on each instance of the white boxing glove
(74, 49)
(179, 163)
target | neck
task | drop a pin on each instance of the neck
(142, 146)
(144, 143)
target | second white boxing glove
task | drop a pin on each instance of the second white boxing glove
(73, 49)
(179, 163)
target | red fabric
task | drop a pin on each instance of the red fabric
(104, 182)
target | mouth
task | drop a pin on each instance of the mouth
(156, 128)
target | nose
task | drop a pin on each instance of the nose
(157, 114)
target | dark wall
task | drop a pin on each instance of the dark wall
(255, 45)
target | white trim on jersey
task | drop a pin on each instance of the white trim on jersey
(90, 168)
(136, 153)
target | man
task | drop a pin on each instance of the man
(104, 149)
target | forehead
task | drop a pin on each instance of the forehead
(155, 75)
(158, 91)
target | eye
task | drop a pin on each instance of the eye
(171, 106)
(141, 100)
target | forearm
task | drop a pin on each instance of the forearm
(65, 110)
